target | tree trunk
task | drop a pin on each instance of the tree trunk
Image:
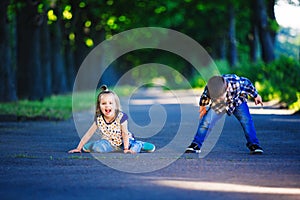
(220, 48)
(46, 58)
(29, 64)
(59, 82)
(70, 66)
(69, 48)
(271, 14)
(261, 21)
(81, 50)
(7, 78)
(232, 57)
(252, 39)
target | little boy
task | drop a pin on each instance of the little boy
(227, 94)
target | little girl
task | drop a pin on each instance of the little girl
(112, 123)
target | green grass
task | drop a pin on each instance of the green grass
(56, 107)
(23, 156)
(80, 158)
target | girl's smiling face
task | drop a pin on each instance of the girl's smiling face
(108, 106)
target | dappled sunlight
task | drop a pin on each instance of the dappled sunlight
(269, 108)
(226, 187)
(270, 111)
(174, 97)
(186, 100)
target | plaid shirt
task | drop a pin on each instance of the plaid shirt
(237, 92)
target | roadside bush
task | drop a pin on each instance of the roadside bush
(197, 81)
(279, 80)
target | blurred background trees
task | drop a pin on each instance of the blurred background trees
(43, 43)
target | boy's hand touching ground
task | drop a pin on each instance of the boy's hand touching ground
(202, 111)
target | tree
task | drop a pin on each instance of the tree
(232, 53)
(29, 70)
(265, 37)
(253, 40)
(59, 79)
(272, 20)
(7, 71)
(54, 37)
(46, 53)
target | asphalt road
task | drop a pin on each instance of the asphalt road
(35, 163)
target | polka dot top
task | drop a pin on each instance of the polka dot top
(112, 131)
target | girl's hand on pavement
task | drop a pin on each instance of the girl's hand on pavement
(75, 151)
(129, 151)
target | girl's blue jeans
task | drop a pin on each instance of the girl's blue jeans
(241, 113)
(103, 146)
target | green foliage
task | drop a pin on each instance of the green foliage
(223, 66)
(273, 25)
(23, 156)
(205, 21)
(57, 107)
(288, 42)
(276, 80)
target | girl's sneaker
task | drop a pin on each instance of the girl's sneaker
(87, 147)
(148, 147)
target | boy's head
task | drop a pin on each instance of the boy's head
(216, 86)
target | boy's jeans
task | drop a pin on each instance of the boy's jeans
(241, 113)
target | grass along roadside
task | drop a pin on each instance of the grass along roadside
(56, 107)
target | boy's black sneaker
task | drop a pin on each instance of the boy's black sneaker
(193, 148)
(255, 149)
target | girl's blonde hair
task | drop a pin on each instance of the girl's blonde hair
(104, 90)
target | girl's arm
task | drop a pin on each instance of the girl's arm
(85, 138)
(125, 137)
